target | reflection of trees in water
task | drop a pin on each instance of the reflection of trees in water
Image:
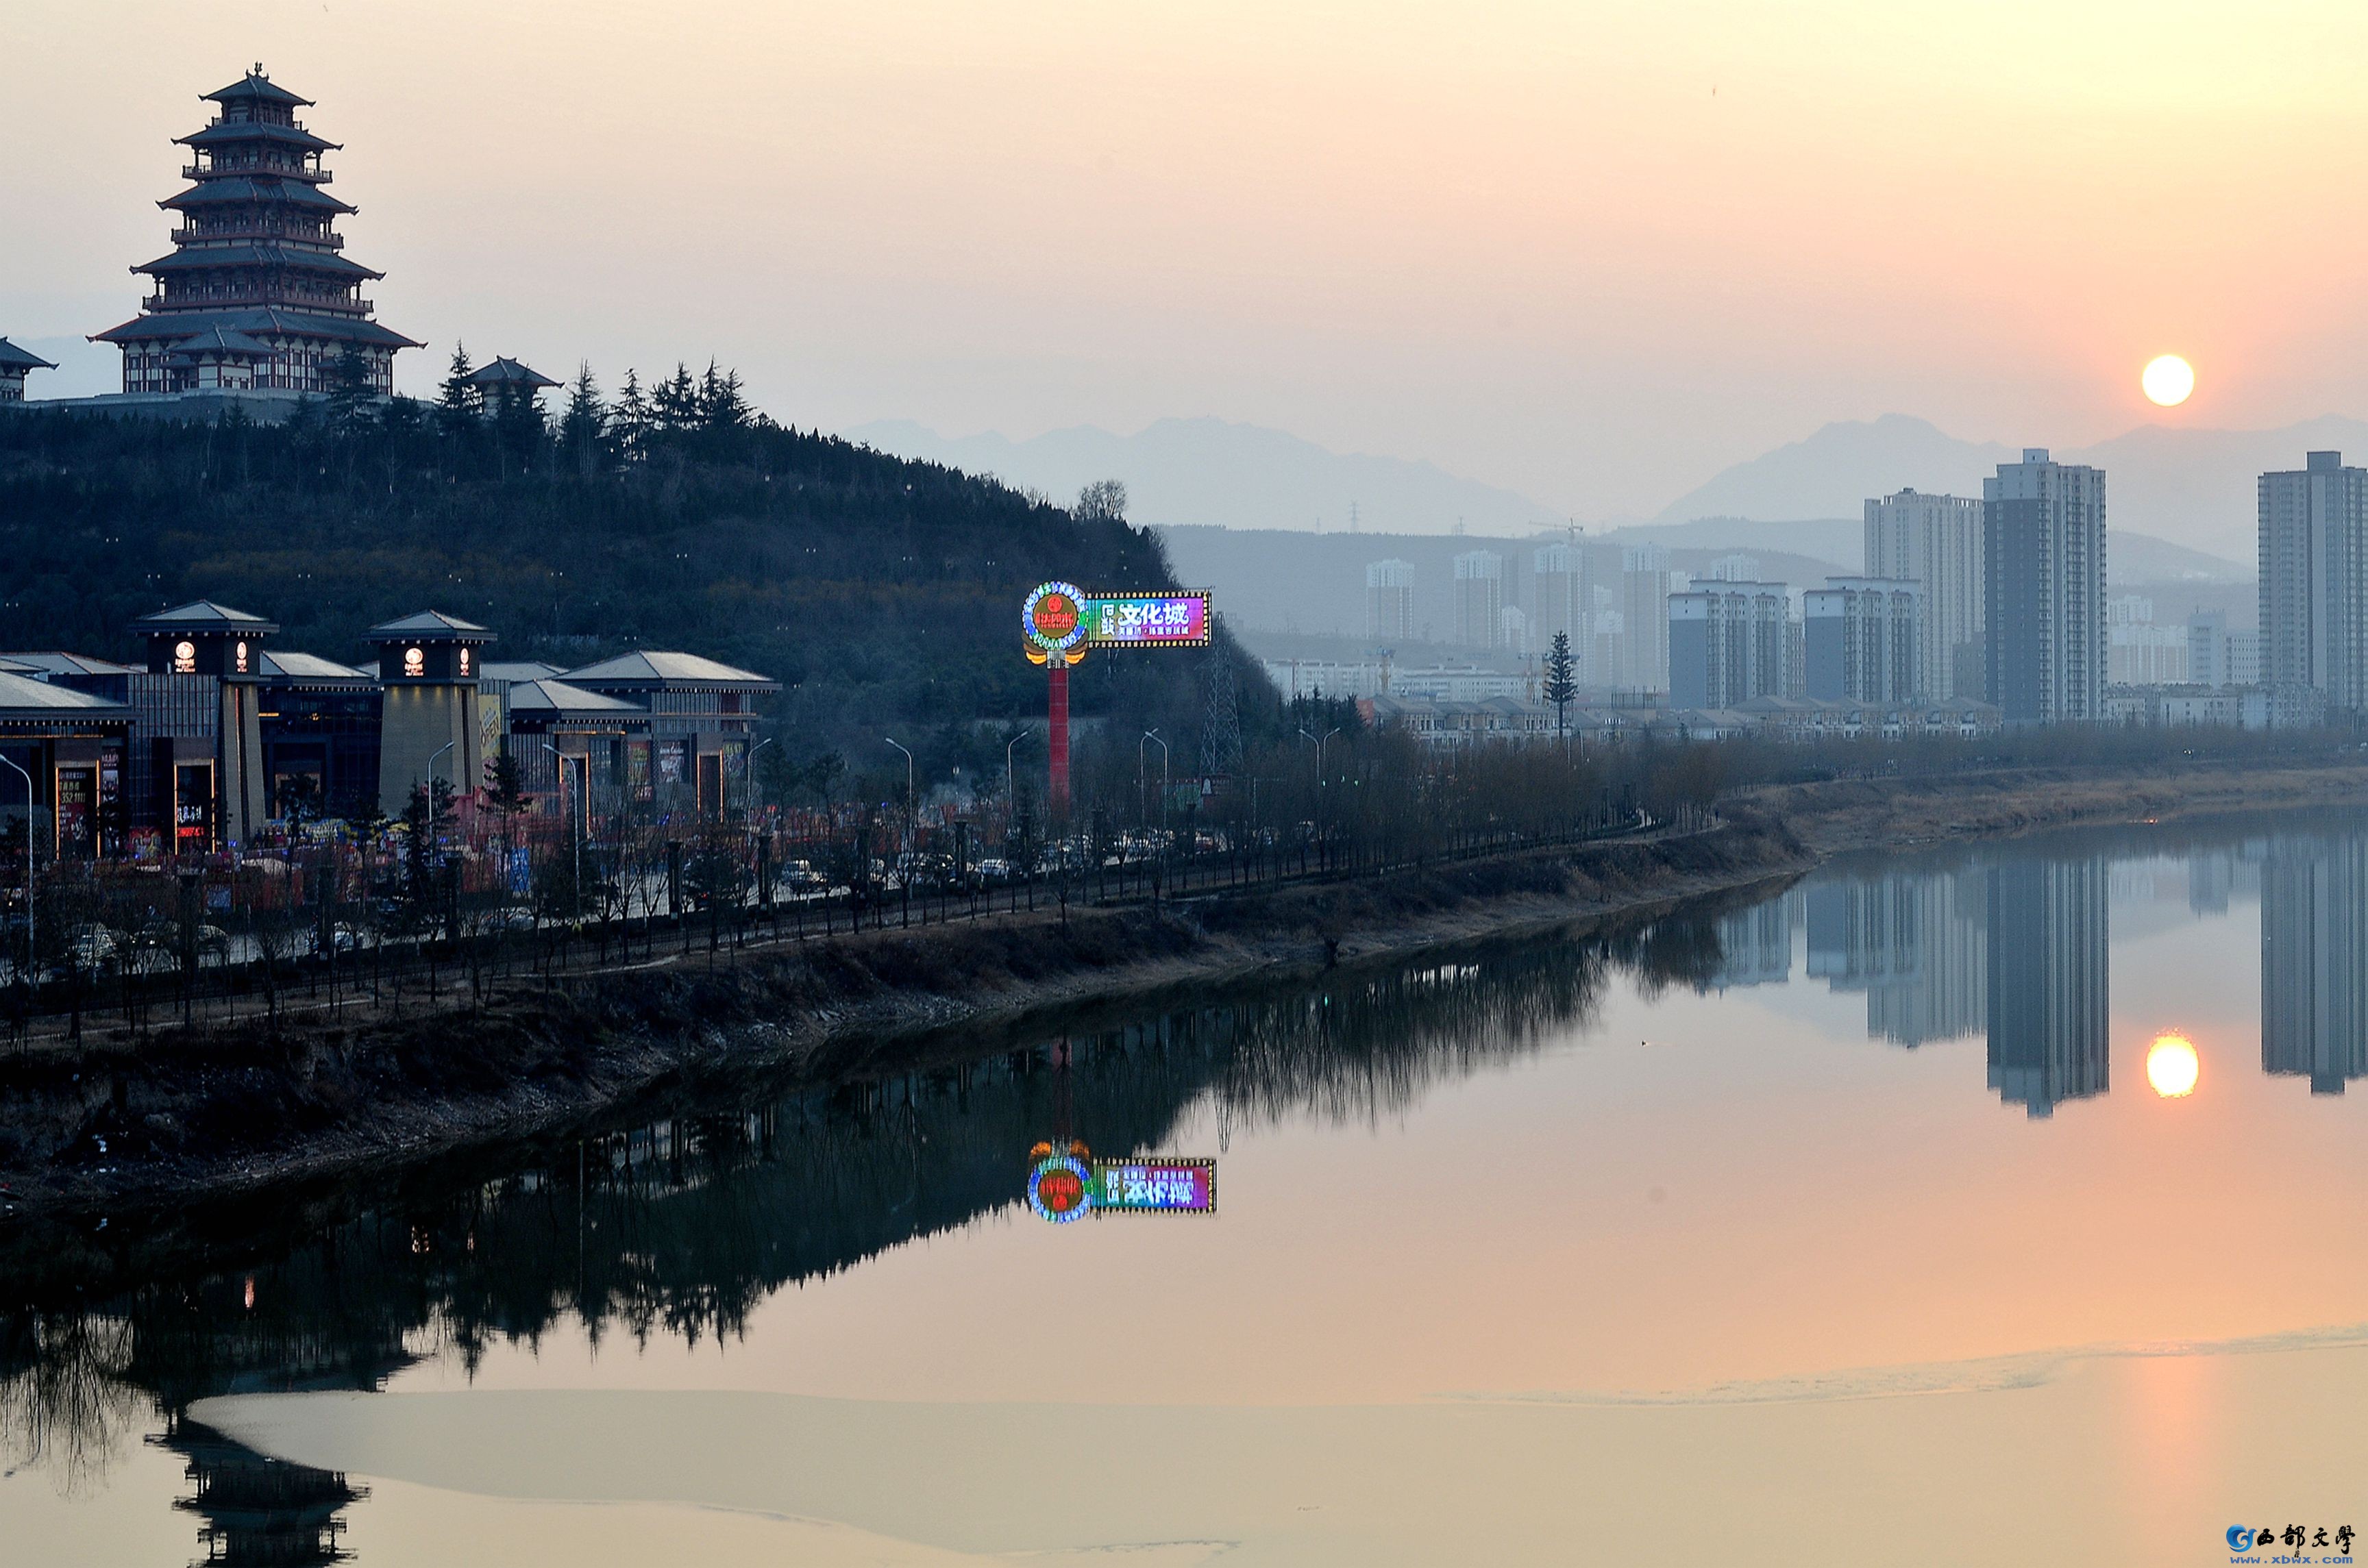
(682, 1227)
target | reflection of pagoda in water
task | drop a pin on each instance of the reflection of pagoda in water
(2315, 960)
(2049, 999)
(258, 1512)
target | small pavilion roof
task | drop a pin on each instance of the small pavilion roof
(556, 696)
(22, 697)
(204, 615)
(61, 663)
(14, 359)
(505, 372)
(228, 132)
(191, 258)
(303, 667)
(256, 87)
(262, 321)
(225, 190)
(658, 670)
(429, 623)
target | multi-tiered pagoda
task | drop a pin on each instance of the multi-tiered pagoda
(257, 292)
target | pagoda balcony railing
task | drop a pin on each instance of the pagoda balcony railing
(227, 298)
(188, 235)
(282, 171)
(292, 124)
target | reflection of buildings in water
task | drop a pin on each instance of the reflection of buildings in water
(259, 1510)
(2315, 960)
(2211, 879)
(1917, 943)
(2049, 996)
(1756, 945)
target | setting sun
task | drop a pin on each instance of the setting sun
(2172, 1066)
(2167, 380)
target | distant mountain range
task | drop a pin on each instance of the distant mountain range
(2192, 488)
(1183, 472)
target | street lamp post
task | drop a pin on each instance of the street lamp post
(1153, 736)
(1011, 780)
(1317, 742)
(912, 830)
(33, 951)
(574, 840)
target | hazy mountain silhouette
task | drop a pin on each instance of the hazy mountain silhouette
(1182, 471)
(2187, 488)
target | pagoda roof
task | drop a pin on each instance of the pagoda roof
(14, 359)
(189, 258)
(59, 663)
(230, 132)
(657, 670)
(221, 340)
(516, 670)
(224, 190)
(21, 697)
(547, 696)
(267, 321)
(506, 373)
(429, 623)
(204, 615)
(255, 87)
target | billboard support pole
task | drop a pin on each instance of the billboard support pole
(1057, 738)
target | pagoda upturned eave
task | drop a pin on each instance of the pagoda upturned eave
(261, 322)
(244, 185)
(197, 258)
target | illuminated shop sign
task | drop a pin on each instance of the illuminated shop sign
(1054, 618)
(1062, 1188)
(415, 661)
(184, 657)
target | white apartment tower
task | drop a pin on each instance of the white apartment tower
(2043, 571)
(1644, 617)
(1936, 541)
(2314, 584)
(1389, 601)
(1479, 598)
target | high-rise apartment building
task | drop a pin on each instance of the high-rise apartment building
(1559, 598)
(1389, 601)
(2043, 586)
(2314, 584)
(1728, 642)
(1936, 540)
(2049, 997)
(2315, 960)
(1863, 640)
(1479, 598)
(1645, 582)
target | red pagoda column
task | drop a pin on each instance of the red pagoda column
(1057, 669)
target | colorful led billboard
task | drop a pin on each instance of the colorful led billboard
(1062, 1188)
(1054, 618)
(1148, 620)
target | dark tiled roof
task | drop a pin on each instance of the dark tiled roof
(301, 667)
(505, 372)
(558, 696)
(516, 670)
(14, 359)
(263, 320)
(226, 190)
(220, 340)
(58, 664)
(204, 615)
(194, 257)
(229, 132)
(431, 623)
(663, 669)
(256, 87)
(22, 697)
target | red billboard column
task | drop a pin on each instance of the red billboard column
(1057, 742)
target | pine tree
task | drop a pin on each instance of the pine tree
(459, 400)
(720, 402)
(352, 399)
(1562, 680)
(676, 401)
(585, 422)
(630, 422)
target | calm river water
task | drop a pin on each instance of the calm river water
(1993, 1207)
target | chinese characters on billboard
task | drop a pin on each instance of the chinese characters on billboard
(1124, 620)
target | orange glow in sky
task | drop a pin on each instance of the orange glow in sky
(1594, 252)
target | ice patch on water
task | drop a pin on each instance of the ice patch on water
(1994, 1374)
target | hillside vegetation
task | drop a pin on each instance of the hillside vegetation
(880, 591)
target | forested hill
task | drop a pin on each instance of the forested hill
(881, 590)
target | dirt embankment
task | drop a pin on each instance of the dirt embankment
(137, 1122)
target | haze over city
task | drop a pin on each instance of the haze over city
(1592, 254)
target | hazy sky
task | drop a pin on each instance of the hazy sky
(1595, 252)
